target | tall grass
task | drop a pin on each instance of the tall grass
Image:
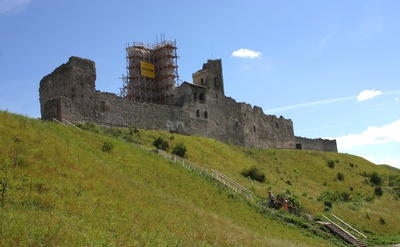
(63, 190)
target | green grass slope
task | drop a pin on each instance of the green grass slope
(58, 188)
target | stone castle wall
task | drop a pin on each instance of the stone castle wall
(316, 144)
(200, 108)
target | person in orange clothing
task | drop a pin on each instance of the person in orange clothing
(284, 203)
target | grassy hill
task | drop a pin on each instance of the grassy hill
(61, 186)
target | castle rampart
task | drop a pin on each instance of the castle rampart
(198, 108)
(316, 144)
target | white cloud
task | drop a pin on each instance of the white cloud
(13, 5)
(246, 53)
(372, 135)
(368, 94)
(364, 95)
(309, 104)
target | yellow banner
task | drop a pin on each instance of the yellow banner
(147, 69)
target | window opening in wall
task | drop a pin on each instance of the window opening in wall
(197, 113)
(236, 123)
(254, 128)
(202, 97)
(195, 96)
(205, 114)
(201, 81)
(102, 105)
(216, 82)
(298, 146)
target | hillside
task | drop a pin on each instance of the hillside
(59, 188)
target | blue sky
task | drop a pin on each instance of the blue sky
(333, 67)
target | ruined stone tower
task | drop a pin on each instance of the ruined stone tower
(74, 83)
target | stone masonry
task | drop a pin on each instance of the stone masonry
(199, 108)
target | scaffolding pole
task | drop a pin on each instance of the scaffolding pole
(144, 89)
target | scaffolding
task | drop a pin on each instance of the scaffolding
(146, 89)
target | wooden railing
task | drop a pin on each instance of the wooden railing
(225, 180)
(185, 163)
(231, 183)
(66, 122)
(351, 231)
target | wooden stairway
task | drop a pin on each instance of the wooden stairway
(345, 234)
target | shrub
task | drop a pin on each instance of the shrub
(376, 179)
(115, 132)
(328, 205)
(180, 150)
(255, 174)
(92, 127)
(378, 191)
(331, 164)
(340, 176)
(107, 147)
(160, 143)
(345, 197)
(4, 185)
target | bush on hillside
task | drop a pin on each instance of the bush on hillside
(331, 164)
(376, 179)
(180, 150)
(340, 176)
(378, 191)
(254, 173)
(92, 127)
(107, 147)
(161, 144)
(111, 131)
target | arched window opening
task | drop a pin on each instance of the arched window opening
(197, 113)
(202, 97)
(236, 123)
(216, 82)
(205, 114)
(201, 81)
(254, 129)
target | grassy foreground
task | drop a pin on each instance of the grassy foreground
(59, 188)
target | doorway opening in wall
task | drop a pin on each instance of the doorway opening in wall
(298, 146)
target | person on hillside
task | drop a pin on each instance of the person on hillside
(271, 199)
(284, 203)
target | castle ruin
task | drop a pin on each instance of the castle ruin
(150, 99)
